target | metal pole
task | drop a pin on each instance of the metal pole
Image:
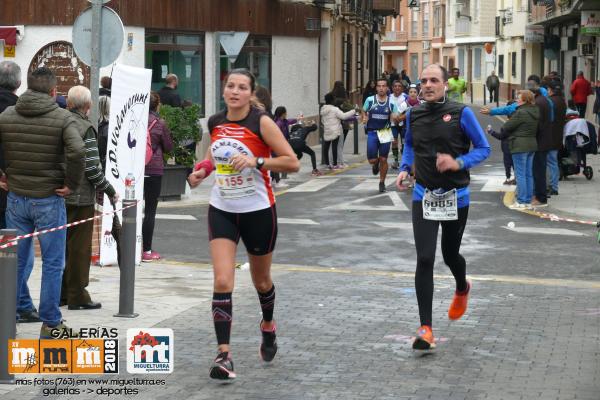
(95, 67)
(127, 262)
(356, 135)
(484, 95)
(8, 303)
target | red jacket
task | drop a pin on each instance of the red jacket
(580, 90)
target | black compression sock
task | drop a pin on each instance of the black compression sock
(267, 303)
(222, 309)
(395, 153)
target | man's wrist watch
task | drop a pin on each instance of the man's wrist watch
(260, 161)
(461, 163)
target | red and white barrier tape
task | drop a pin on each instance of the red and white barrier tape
(554, 217)
(13, 240)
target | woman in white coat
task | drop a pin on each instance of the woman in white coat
(331, 117)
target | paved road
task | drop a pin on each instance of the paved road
(346, 306)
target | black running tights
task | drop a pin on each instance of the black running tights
(426, 232)
(310, 152)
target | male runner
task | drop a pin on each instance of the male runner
(398, 97)
(438, 138)
(378, 113)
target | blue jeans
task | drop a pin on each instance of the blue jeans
(26, 215)
(552, 163)
(523, 165)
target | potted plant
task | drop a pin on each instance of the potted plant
(185, 131)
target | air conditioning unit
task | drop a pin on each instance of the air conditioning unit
(586, 49)
(426, 45)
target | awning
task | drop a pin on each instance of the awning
(9, 35)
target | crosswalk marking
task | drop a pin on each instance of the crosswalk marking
(546, 231)
(358, 205)
(179, 217)
(297, 221)
(370, 185)
(496, 185)
(314, 185)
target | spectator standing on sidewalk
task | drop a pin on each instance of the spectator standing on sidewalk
(581, 88)
(332, 118)
(341, 101)
(103, 120)
(544, 140)
(507, 156)
(404, 79)
(555, 94)
(456, 86)
(521, 130)
(10, 81)
(369, 90)
(282, 121)
(493, 84)
(105, 86)
(597, 101)
(161, 143)
(168, 94)
(80, 205)
(38, 180)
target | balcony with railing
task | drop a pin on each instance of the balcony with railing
(546, 11)
(386, 7)
(395, 36)
(357, 10)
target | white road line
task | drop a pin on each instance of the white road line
(314, 185)
(496, 185)
(358, 205)
(371, 185)
(297, 221)
(546, 231)
(395, 225)
(180, 217)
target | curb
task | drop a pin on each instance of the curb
(509, 198)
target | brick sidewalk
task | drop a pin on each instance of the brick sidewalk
(348, 335)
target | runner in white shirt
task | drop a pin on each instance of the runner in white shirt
(398, 97)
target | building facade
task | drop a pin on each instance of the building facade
(571, 39)
(183, 37)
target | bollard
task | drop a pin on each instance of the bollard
(355, 133)
(484, 94)
(127, 262)
(8, 302)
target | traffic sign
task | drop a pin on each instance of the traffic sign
(111, 36)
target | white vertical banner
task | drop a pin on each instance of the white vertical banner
(126, 150)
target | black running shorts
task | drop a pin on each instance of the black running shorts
(258, 229)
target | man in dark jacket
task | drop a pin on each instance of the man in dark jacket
(168, 94)
(80, 206)
(560, 109)
(544, 141)
(44, 157)
(10, 81)
(493, 84)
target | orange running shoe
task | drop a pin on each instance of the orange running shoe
(424, 339)
(459, 303)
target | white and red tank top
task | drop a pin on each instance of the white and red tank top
(239, 191)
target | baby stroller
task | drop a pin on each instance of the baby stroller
(579, 139)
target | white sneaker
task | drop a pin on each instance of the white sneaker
(518, 206)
